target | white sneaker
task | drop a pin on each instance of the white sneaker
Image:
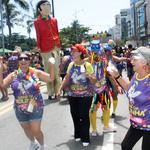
(34, 145)
(85, 144)
(77, 139)
(109, 129)
(42, 147)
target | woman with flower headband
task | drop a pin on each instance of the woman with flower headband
(28, 103)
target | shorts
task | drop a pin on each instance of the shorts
(29, 117)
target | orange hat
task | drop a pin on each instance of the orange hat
(80, 48)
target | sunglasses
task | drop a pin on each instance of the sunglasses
(24, 58)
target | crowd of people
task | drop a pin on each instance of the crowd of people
(90, 77)
(86, 89)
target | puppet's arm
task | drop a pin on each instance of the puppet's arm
(37, 34)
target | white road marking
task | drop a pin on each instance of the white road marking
(108, 139)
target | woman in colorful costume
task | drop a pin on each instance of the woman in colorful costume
(28, 102)
(104, 87)
(138, 92)
(78, 80)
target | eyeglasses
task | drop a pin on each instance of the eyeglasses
(24, 58)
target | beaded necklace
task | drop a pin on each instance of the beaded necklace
(29, 75)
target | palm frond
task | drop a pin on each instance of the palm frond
(23, 4)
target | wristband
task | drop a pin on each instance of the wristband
(118, 77)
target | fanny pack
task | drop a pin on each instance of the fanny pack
(22, 100)
(26, 104)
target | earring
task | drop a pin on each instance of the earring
(144, 67)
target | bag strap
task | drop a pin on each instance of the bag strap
(26, 92)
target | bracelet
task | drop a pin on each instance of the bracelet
(118, 77)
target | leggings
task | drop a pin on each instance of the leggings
(132, 137)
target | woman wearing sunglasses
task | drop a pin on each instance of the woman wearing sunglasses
(28, 103)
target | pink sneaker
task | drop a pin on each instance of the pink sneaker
(94, 133)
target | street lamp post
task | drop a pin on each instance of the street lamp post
(138, 19)
(76, 24)
(1, 13)
(145, 22)
(76, 30)
(53, 11)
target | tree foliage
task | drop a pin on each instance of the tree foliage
(12, 15)
(20, 40)
(73, 34)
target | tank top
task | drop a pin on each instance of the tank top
(26, 86)
(79, 85)
(139, 103)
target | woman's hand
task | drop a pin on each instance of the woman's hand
(91, 77)
(58, 93)
(120, 90)
(113, 72)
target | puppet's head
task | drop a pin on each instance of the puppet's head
(44, 8)
(95, 46)
(95, 51)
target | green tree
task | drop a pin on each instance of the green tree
(73, 34)
(20, 40)
(12, 15)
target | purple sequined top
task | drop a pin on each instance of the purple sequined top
(24, 88)
(79, 85)
(139, 103)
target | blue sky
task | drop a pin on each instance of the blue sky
(99, 15)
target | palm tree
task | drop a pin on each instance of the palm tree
(31, 17)
(11, 14)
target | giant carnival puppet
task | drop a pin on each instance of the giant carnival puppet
(101, 58)
(48, 42)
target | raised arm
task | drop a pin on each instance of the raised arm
(119, 59)
(115, 74)
(44, 76)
